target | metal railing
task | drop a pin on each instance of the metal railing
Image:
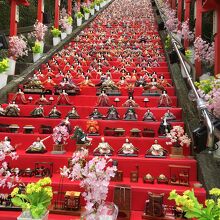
(200, 103)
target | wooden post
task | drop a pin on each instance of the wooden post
(78, 4)
(198, 32)
(40, 10)
(187, 17)
(69, 10)
(173, 4)
(217, 42)
(14, 16)
(179, 10)
(57, 13)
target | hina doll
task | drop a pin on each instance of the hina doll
(96, 114)
(37, 146)
(38, 112)
(54, 113)
(128, 149)
(92, 127)
(49, 84)
(156, 150)
(12, 110)
(130, 114)
(169, 116)
(19, 97)
(73, 114)
(130, 102)
(163, 82)
(103, 100)
(2, 110)
(86, 83)
(112, 114)
(164, 128)
(103, 148)
(42, 100)
(109, 84)
(164, 100)
(149, 116)
(63, 99)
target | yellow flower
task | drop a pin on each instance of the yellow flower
(215, 192)
(189, 204)
(45, 181)
(15, 192)
(209, 202)
(218, 204)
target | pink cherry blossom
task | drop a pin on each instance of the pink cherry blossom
(17, 47)
(177, 135)
(94, 177)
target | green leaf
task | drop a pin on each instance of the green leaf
(18, 202)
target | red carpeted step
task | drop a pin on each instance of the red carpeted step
(154, 166)
(85, 111)
(91, 100)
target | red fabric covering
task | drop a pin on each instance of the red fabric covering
(87, 100)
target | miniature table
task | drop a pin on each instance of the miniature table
(13, 128)
(135, 132)
(28, 129)
(119, 132)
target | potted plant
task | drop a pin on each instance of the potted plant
(79, 17)
(178, 139)
(4, 64)
(86, 11)
(102, 3)
(92, 8)
(7, 178)
(64, 25)
(189, 57)
(34, 200)
(97, 5)
(70, 25)
(39, 33)
(209, 91)
(56, 35)
(60, 136)
(189, 204)
(204, 52)
(92, 175)
(17, 48)
(37, 51)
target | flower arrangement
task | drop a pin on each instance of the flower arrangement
(79, 15)
(70, 20)
(92, 5)
(86, 9)
(37, 48)
(188, 54)
(204, 51)
(209, 91)
(178, 137)
(36, 198)
(4, 64)
(184, 32)
(94, 176)
(168, 42)
(39, 31)
(17, 47)
(97, 2)
(193, 209)
(206, 85)
(6, 177)
(60, 134)
(55, 32)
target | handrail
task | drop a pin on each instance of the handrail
(200, 103)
